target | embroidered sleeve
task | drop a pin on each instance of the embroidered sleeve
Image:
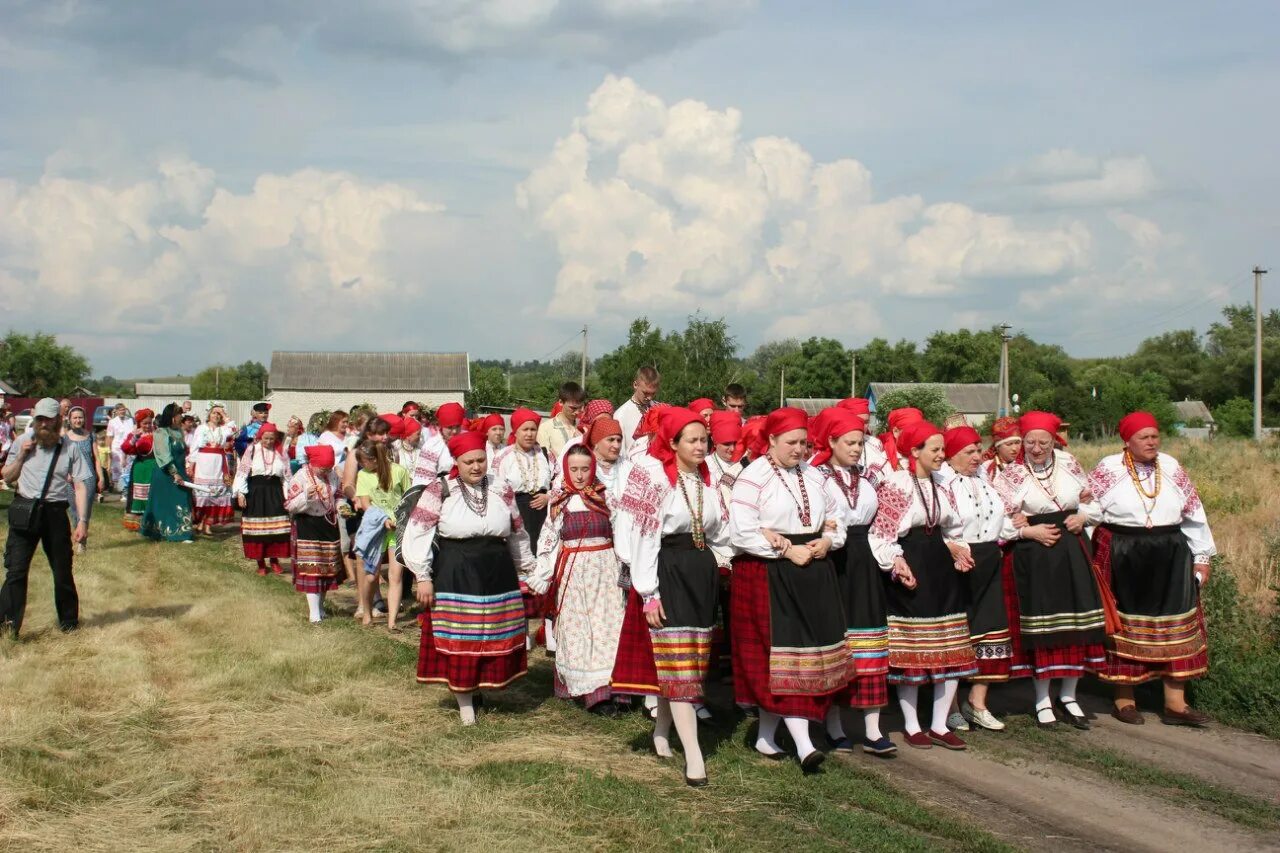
(295, 497)
(895, 502)
(1191, 498)
(1102, 480)
(417, 533)
(1008, 485)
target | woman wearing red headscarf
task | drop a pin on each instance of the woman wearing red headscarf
(434, 459)
(897, 420)
(1153, 552)
(704, 407)
(494, 429)
(644, 432)
(839, 443)
(668, 519)
(1006, 446)
(138, 446)
(265, 527)
(873, 455)
(526, 467)
(789, 653)
(604, 437)
(578, 571)
(993, 595)
(924, 592)
(1061, 616)
(312, 500)
(464, 541)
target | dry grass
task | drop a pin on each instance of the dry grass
(1237, 481)
(197, 710)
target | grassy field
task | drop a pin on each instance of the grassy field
(197, 710)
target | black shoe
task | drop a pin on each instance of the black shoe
(1077, 721)
(700, 782)
(811, 762)
(477, 700)
(608, 710)
(1052, 724)
(69, 627)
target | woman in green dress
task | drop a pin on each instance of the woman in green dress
(168, 513)
(139, 445)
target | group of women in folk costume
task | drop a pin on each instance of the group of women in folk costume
(926, 562)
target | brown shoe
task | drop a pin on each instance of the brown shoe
(1186, 717)
(1128, 714)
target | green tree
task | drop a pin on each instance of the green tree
(962, 356)
(697, 361)
(1229, 365)
(38, 366)
(820, 368)
(1177, 356)
(645, 347)
(488, 388)
(929, 399)
(1235, 417)
(879, 361)
(224, 382)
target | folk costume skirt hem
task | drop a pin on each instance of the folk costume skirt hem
(867, 630)
(928, 626)
(1162, 633)
(317, 555)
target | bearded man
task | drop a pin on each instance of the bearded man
(48, 474)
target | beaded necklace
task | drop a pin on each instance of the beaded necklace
(1138, 484)
(528, 471)
(932, 509)
(477, 504)
(802, 503)
(695, 513)
(850, 495)
(1045, 482)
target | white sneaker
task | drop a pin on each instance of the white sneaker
(957, 723)
(981, 717)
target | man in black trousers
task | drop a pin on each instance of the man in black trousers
(44, 468)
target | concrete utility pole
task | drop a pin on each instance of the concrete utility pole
(583, 383)
(1002, 404)
(782, 388)
(853, 377)
(1258, 273)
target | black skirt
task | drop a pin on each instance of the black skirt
(533, 518)
(689, 582)
(988, 618)
(929, 625)
(1156, 594)
(1057, 594)
(808, 654)
(862, 593)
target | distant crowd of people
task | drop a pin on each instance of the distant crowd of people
(811, 561)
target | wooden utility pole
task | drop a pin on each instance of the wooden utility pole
(1002, 404)
(1258, 273)
(217, 382)
(583, 382)
(782, 388)
(853, 376)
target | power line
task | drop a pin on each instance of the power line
(568, 341)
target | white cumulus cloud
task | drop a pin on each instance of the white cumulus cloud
(670, 207)
(1068, 178)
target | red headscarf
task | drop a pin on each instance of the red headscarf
(410, 410)
(898, 419)
(141, 415)
(958, 438)
(1004, 429)
(397, 425)
(320, 456)
(519, 418)
(267, 426)
(857, 405)
(649, 420)
(1135, 422)
(753, 437)
(837, 423)
(592, 493)
(602, 429)
(409, 427)
(483, 425)
(778, 422)
(557, 408)
(450, 415)
(914, 435)
(1046, 421)
(463, 443)
(726, 427)
(672, 421)
(592, 410)
(701, 404)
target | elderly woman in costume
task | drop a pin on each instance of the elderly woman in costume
(1061, 615)
(265, 526)
(912, 538)
(668, 519)
(790, 658)
(209, 470)
(465, 542)
(578, 572)
(312, 500)
(839, 439)
(1153, 552)
(139, 446)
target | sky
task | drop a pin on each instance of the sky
(184, 183)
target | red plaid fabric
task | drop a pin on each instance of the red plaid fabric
(634, 672)
(1006, 669)
(1066, 661)
(864, 691)
(1118, 670)
(751, 640)
(466, 673)
(267, 550)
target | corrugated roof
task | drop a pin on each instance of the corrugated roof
(1190, 410)
(812, 405)
(972, 399)
(8, 390)
(162, 389)
(370, 371)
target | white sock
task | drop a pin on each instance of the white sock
(799, 728)
(765, 742)
(551, 634)
(315, 601)
(943, 693)
(1044, 705)
(466, 708)
(662, 728)
(686, 722)
(835, 727)
(871, 724)
(909, 700)
(1067, 694)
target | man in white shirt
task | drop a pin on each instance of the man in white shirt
(645, 388)
(555, 433)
